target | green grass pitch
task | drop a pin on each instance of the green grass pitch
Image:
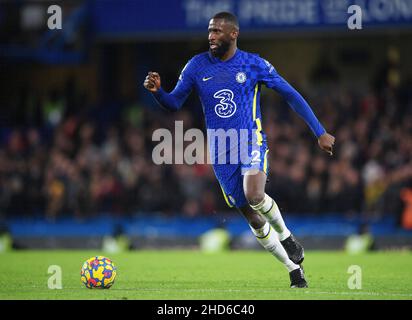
(179, 275)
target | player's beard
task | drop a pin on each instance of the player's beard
(221, 49)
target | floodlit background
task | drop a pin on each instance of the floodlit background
(76, 167)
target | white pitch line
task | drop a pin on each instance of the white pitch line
(359, 293)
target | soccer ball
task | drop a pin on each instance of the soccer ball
(98, 272)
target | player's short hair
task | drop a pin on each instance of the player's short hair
(228, 17)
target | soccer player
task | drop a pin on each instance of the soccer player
(228, 82)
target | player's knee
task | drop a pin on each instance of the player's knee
(256, 221)
(254, 197)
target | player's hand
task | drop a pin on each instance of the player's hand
(326, 142)
(152, 81)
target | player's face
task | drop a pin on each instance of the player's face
(221, 35)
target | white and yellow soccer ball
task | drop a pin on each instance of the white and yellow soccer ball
(98, 272)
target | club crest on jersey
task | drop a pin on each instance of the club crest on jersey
(240, 77)
(226, 107)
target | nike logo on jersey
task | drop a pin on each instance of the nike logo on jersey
(205, 79)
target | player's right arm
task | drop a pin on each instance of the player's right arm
(174, 100)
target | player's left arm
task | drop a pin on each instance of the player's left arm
(270, 77)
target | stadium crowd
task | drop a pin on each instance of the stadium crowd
(61, 156)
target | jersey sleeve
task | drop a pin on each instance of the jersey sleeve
(268, 75)
(174, 100)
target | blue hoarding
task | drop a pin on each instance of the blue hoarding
(134, 17)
